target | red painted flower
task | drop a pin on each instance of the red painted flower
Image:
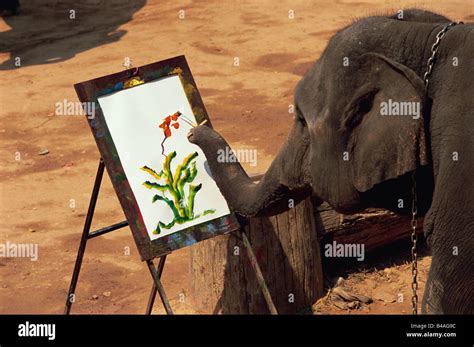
(166, 124)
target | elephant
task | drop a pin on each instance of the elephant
(344, 150)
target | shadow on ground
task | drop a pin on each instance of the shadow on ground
(51, 31)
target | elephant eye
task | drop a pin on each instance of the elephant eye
(299, 115)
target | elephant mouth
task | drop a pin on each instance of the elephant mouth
(190, 134)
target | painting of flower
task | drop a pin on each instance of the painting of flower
(176, 190)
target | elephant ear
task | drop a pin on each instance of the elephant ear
(382, 146)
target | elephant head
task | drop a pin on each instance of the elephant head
(341, 147)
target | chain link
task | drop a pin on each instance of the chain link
(414, 210)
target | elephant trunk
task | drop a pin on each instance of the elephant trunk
(284, 184)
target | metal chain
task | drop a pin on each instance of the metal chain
(434, 50)
(414, 259)
(414, 210)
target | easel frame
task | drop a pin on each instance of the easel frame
(91, 92)
(154, 272)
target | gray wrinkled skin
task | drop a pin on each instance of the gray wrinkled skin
(338, 111)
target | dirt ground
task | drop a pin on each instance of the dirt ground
(44, 198)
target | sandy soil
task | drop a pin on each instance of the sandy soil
(44, 197)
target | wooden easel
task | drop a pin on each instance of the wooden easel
(154, 271)
(87, 234)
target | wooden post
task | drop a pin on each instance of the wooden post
(287, 250)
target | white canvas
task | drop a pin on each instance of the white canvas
(133, 117)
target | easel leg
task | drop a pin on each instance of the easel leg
(152, 297)
(85, 233)
(258, 273)
(159, 287)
